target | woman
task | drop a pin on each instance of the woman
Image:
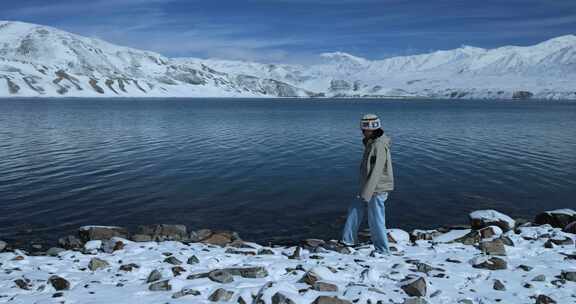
(376, 182)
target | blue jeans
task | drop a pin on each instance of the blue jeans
(376, 221)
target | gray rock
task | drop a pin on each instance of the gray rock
(416, 300)
(487, 232)
(164, 232)
(221, 294)
(110, 246)
(280, 298)
(568, 275)
(570, 228)
(296, 254)
(494, 263)
(428, 235)
(556, 218)
(3, 245)
(498, 285)
(507, 241)
(129, 267)
(90, 233)
(160, 286)
(185, 292)
(560, 242)
(330, 300)
(543, 299)
(220, 276)
(23, 283)
(55, 251)
(199, 235)
(414, 286)
(265, 251)
(249, 272)
(195, 276)
(172, 260)
(499, 219)
(324, 286)
(525, 267)
(309, 278)
(221, 238)
(312, 243)
(178, 270)
(96, 263)
(70, 242)
(141, 238)
(154, 276)
(59, 283)
(192, 260)
(495, 247)
(471, 238)
(539, 278)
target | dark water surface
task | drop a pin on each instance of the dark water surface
(273, 168)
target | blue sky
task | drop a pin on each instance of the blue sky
(299, 30)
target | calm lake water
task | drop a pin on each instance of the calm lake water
(273, 169)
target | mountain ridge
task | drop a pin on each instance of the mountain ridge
(42, 61)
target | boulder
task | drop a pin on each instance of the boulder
(154, 276)
(199, 235)
(471, 238)
(539, 278)
(280, 298)
(55, 251)
(220, 276)
(23, 283)
(96, 263)
(178, 270)
(570, 228)
(498, 285)
(490, 232)
(493, 263)
(414, 286)
(309, 278)
(141, 238)
(185, 292)
(415, 300)
(59, 283)
(90, 233)
(495, 247)
(484, 218)
(425, 235)
(543, 299)
(160, 286)
(3, 245)
(164, 232)
(249, 272)
(330, 300)
(221, 295)
(398, 236)
(568, 275)
(324, 286)
(558, 218)
(192, 260)
(70, 243)
(129, 267)
(172, 260)
(221, 238)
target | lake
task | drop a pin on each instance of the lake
(273, 169)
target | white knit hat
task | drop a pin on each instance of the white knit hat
(370, 122)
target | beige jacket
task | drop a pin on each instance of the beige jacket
(376, 173)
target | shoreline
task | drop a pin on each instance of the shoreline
(493, 259)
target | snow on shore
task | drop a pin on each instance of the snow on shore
(529, 264)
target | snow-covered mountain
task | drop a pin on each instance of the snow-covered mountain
(43, 61)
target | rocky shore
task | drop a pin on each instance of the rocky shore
(494, 259)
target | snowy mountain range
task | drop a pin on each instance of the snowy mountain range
(40, 61)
